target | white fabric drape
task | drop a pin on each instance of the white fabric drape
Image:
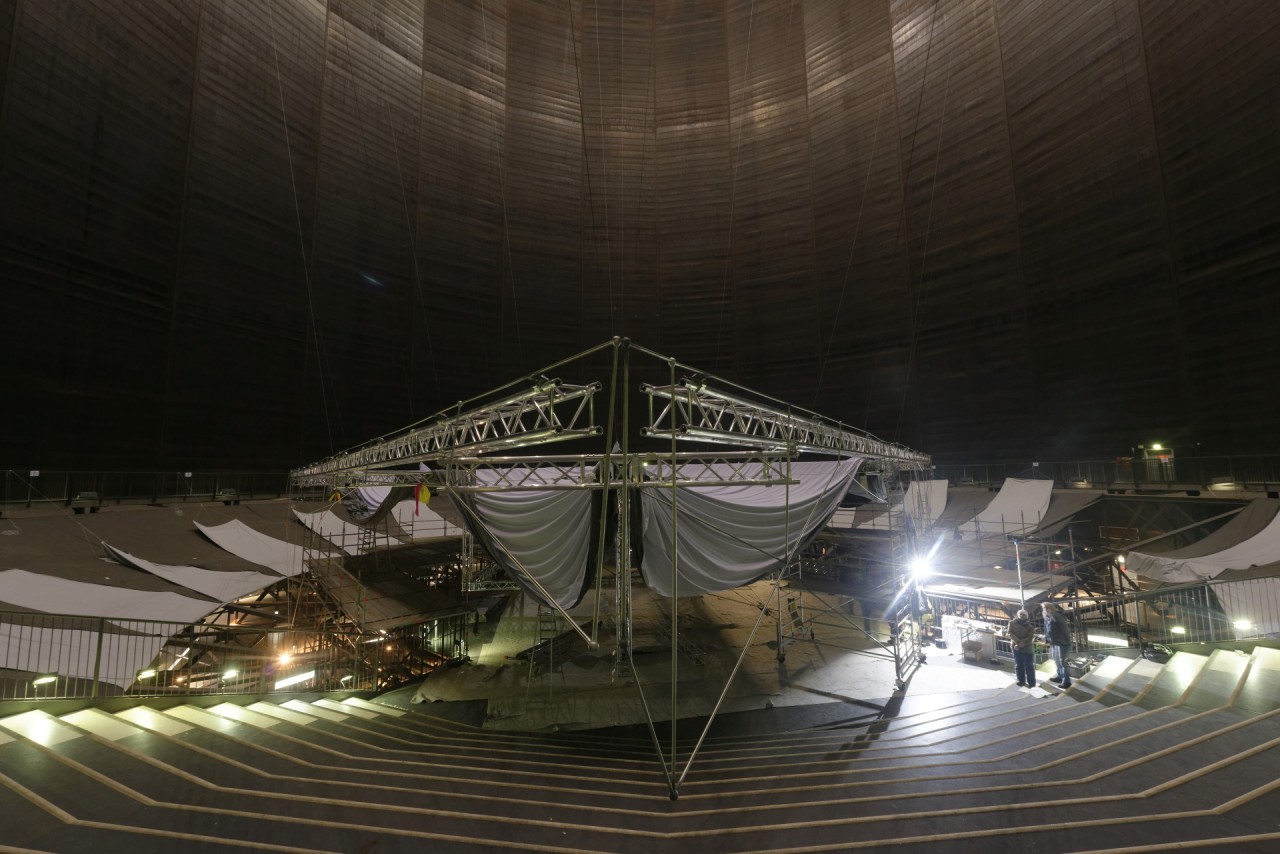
(731, 535)
(341, 533)
(547, 531)
(256, 547)
(923, 502)
(54, 595)
(1018, 508)
(223, 586)
(1260, 549)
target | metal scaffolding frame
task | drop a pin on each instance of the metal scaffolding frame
(449, 450)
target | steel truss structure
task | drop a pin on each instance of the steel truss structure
(753, 438)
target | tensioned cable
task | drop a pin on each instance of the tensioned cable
(364, 146)
(297, 210)
(502, 188)
(586, 151)
(915, 132)
(408, 220)
(733, 181)
(857, 228)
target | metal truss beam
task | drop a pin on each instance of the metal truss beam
(549, 412)
(694, 412)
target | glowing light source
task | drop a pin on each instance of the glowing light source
(146, 674)
(295, 679)
(1156, 446)
(1242, 625)
(1103, 639)
(45, 679)
(286, 657)
(1178, 630)
(230, 674)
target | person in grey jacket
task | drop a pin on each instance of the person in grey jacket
(1022, 638)
(1058, 635)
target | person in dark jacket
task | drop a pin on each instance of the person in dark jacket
(1022, 638)
(1058, 635)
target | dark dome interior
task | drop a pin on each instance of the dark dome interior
(248, 233)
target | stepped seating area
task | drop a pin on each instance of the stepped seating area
(1135, 757)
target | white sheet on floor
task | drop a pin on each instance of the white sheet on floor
(223, 586)
(257, 547)
(1018, 508)
(1260, 549)
(54, 595)
(730, 535)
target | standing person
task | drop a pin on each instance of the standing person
(1058, 636)
(1022, 637)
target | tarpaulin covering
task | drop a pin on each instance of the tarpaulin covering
(923, 502)
(352, 539)
(729, 535)
(257, 547)
(1017, 509)
(1174, 567)
(222, 586)
(54, 595)
(546, 535)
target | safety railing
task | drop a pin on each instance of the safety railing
(1260, 472)
(1208, 612)
(30, 487)
(49, 656)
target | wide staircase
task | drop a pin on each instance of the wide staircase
(1135, 757)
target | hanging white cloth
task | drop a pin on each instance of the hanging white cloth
(731, 534)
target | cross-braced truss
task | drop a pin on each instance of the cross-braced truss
(470, 451)
(550, 411)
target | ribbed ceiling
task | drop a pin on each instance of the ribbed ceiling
(246, 233)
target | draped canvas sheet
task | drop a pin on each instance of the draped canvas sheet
(549, 532)
(34, 648)
(222, 586)
(923, 502)
(62, 596)
(1260, 549)
(343, 534)
(1018, 507)
(731, 535)
(256, 547)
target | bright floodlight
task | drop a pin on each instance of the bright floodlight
(146, 674)
(45, 679)
(1178, 630)
(921, 566)
(231, 674)
(1243, 625)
